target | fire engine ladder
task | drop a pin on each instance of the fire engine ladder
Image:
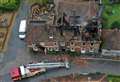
(48, 65)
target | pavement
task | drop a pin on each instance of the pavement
(18, 54)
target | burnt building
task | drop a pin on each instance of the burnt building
(67, 30)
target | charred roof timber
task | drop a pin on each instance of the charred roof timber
(91, 31)
(92, 27)
(62, 20)
(75, 20)
(76, 31)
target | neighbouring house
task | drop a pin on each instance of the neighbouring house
(79, 78)
(111, 39)
(111, 42)
(74, 28)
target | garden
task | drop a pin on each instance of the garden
(111, 15)
(8, 11)
(113, 78)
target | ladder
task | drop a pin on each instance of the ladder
(48, 65)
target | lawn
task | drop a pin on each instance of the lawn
(111, 14)
(113, 78)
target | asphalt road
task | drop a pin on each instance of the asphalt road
(18, 54)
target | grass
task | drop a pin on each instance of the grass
(113, 78)
(111, 14)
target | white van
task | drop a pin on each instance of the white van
(22, 29)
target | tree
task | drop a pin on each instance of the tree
(9, 5)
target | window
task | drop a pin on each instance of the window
(56, 49)
(83, 43)
(91, 44)
(91, 49)
(62, 43)
(72, 49)
(55, 43)
(51, 49)
(72, 43)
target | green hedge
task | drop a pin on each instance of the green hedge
(66, 52)
(54, 52)
(69, 53)
(73, 53)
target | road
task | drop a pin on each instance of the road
(18, 54)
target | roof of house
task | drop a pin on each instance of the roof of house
(111, 39)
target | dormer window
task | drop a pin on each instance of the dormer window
(91, 44)
(50, 35)
(72, 43)
(83, 43)
(55, 43)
